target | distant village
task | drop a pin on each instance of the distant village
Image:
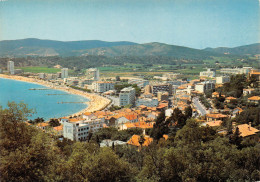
(136, 102)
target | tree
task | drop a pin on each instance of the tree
(118, 78)
(26, 153)
(54, 122)
(141, 140)
(178, 117)
(236, 139)
(37, 120)
(188, 112)
(160, 127)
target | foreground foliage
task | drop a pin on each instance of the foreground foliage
(194, 154)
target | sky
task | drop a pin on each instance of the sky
(191, 23)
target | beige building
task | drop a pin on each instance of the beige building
(222, 79)
(204, 86)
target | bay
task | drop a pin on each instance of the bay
(47, 103)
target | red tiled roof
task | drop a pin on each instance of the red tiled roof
(134, 140)
(255, 98)
(246, 130)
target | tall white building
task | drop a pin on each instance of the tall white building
(127, 96)
(64, 73)
(209, 73)
(92, 73)
(10, 67)
(102, 86)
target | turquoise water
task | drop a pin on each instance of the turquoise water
(46, 106)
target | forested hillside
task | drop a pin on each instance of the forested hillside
(192, 154)
(251, 49)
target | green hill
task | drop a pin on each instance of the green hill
(40, 47)
(251, 49)
(150, 49)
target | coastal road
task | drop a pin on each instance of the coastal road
(115, 100)
(200, 107)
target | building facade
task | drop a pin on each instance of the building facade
(127, 96)
(222, 79)
(92, 73)
(147, 102)
(10, 67)
(209, 73)
(64, 73)
(204, 86)
(161, 88)
(79, 130)
(102, 86)
(244, 70)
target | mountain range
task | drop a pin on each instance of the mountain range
(38, 47)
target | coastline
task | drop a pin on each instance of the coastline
(95, 102)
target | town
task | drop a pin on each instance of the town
(213, 100)
(129, 91)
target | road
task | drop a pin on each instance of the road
(115, 100)
(200, 107)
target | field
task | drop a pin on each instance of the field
(40, 69)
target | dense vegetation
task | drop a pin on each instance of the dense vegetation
(234, 88)
(192, 154)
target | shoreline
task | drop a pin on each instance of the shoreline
(95, 102)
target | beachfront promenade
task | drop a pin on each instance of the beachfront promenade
(95, 103)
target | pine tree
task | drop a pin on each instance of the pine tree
(236, 139)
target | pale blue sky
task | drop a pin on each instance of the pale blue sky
(192, 23)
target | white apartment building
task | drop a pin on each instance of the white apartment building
(147, 102)
(64, 73)
(204, 86)
(78, 129)
(10, 67)
(222, 79)
(209, 73)
(75, 131)
(102, 86)
(244, 70)
(127, 96)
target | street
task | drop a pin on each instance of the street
(200, 107)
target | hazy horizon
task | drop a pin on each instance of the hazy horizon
(191, 23)
(127, 41)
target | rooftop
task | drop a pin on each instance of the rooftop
(134, 140)
(247, 130)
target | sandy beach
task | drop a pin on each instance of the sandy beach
(95, 102)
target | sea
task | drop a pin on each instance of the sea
(48, 103)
